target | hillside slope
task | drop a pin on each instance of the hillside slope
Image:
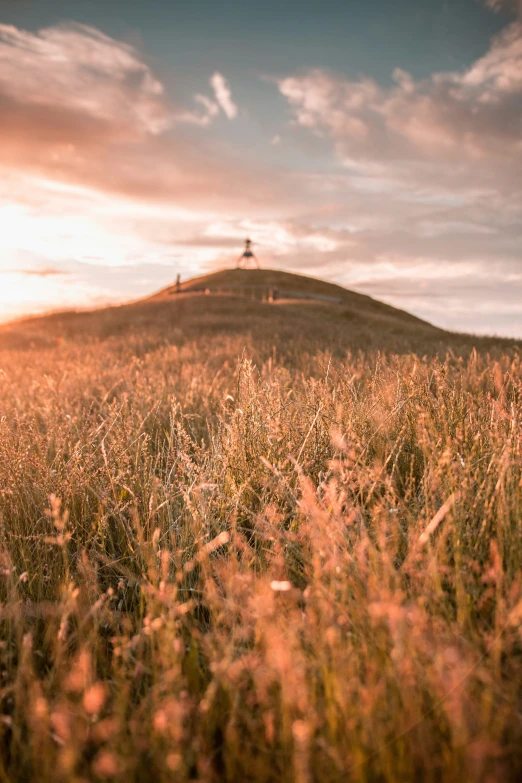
(257, 283)
(307, 315)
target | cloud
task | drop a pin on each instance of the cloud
(223, 95)
(505, 5)
(454, 127)
(210, 109)
(431, 191)
(46, 271)
(79, 69)
(104, 122)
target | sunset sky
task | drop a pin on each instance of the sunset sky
(373, 143)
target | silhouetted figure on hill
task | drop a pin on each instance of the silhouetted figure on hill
(178, 284)
(244, 259)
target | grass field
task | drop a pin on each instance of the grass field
(244, 541)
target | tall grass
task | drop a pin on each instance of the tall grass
(219, 564)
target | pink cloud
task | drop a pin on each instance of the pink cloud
(79, 69)
(505, 5)
(82, 70)
(203, 118)
(210, 108)
(499, 72)
(468, 121)
(223, 95)
(104, 121)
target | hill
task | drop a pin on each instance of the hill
(272, 541)
(258, 283)
(263, 307)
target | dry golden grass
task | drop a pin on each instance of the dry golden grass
(228, 555)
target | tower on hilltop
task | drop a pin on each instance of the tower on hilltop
(247, 256)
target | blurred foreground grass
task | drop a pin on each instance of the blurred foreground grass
(225, 560)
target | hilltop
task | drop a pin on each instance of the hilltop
(269, 308)
(257, 283)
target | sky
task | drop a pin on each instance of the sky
(374, 144)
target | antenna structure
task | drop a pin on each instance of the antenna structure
(247, 256)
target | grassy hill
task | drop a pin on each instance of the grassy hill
(275, 542)
(257, 283)
(308, 315)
